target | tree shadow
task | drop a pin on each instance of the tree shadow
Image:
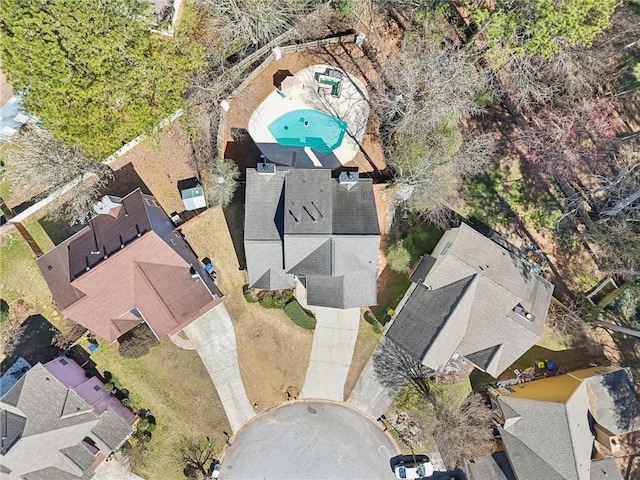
(35, 343)
(234, 215)
(125, 180)
(242, 150)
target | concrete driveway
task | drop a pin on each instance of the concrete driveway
(309, 439)
(369, 394)
(331, 353)
(214, 339)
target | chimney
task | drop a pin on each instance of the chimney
(349, 179)
(108, 205)
(265, 168)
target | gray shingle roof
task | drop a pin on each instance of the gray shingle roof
(494, 336)
(422, 319)
(79, 455)
(111, 429)
(303, 222)
(491, 467)
(613, 403)
(605, 469)
(551, 439)
(354, 209)
(51, 421)
(12, 428)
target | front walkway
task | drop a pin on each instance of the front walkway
(214, 339)
(334, 340)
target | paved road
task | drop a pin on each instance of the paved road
(333, 342)
(369, 395)
(319, 440)
(215, 341)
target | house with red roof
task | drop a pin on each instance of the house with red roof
(126, 267)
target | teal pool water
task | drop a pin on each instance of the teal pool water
(309, 128)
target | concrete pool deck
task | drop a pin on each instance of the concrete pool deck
(351, 106)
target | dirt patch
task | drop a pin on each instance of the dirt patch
(156, 165)
(273, 352)
(238, 144)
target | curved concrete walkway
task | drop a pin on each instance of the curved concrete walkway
(334, 340)
(214, 339)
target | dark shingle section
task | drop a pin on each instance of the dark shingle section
(354, 209)
(483, 358)
(111, 429)
(422, 269)
(424, 315)
(491, 467)
(325, 290)
(307, 202)
(11, 426)
(319, 262)
(105, 234)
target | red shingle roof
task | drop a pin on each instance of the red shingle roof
(149, 275)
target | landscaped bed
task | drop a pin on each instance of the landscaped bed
(299, 316)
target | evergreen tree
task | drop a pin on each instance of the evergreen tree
(93, 71)
(540, 27)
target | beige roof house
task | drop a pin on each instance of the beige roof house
(472, 297)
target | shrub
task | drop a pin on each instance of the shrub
(275, 299)
(249, 295)
(371, 319)
(398, 258)
(299, 315)
(137, 342)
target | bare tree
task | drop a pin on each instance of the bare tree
(221, 181)
(463, 432)
(395, 367)
(564, 142)
(428, 87)
(256, 20)
(65, 337)
(12, 329)
(198, 457)
(39, 163)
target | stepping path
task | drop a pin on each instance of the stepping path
(214, 339)
(333, 342)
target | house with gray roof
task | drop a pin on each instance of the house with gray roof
(474, 298)
(59, 424)
(547, 427)
(304, 224)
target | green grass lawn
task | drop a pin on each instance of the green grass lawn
(175, 386)
(20, 276)
(301, 318)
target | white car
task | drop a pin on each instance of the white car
(414, 469)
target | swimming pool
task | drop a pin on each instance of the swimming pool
(309, 128)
